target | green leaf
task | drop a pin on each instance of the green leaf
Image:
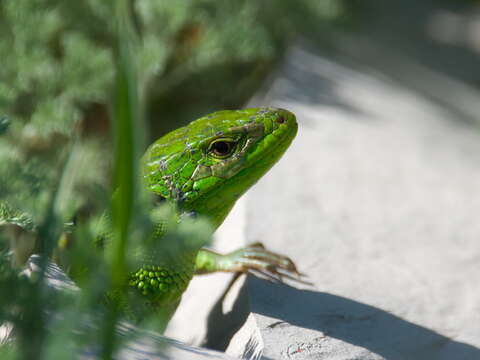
(10, 216)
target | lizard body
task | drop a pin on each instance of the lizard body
(202, 169)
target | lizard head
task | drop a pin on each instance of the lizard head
(207, 165)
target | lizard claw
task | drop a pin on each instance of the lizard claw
(259, 261)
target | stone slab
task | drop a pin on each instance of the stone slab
(377, 201)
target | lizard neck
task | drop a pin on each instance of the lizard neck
(215, 211)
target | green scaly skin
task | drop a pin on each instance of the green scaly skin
(203, 168)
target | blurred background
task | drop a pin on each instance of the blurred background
(57, 78)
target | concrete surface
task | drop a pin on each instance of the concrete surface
(377, 201)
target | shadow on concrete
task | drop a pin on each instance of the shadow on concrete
(307, 81)
(359, 324)
(393, 38)
(221, 327)
(309, 87)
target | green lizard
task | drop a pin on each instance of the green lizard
(203, 168)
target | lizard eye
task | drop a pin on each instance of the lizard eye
(222, 148)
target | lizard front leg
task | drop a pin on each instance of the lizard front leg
(254, 258)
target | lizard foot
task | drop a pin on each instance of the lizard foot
(259, 261)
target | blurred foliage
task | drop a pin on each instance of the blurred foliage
(194, 57)
(76, 78)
